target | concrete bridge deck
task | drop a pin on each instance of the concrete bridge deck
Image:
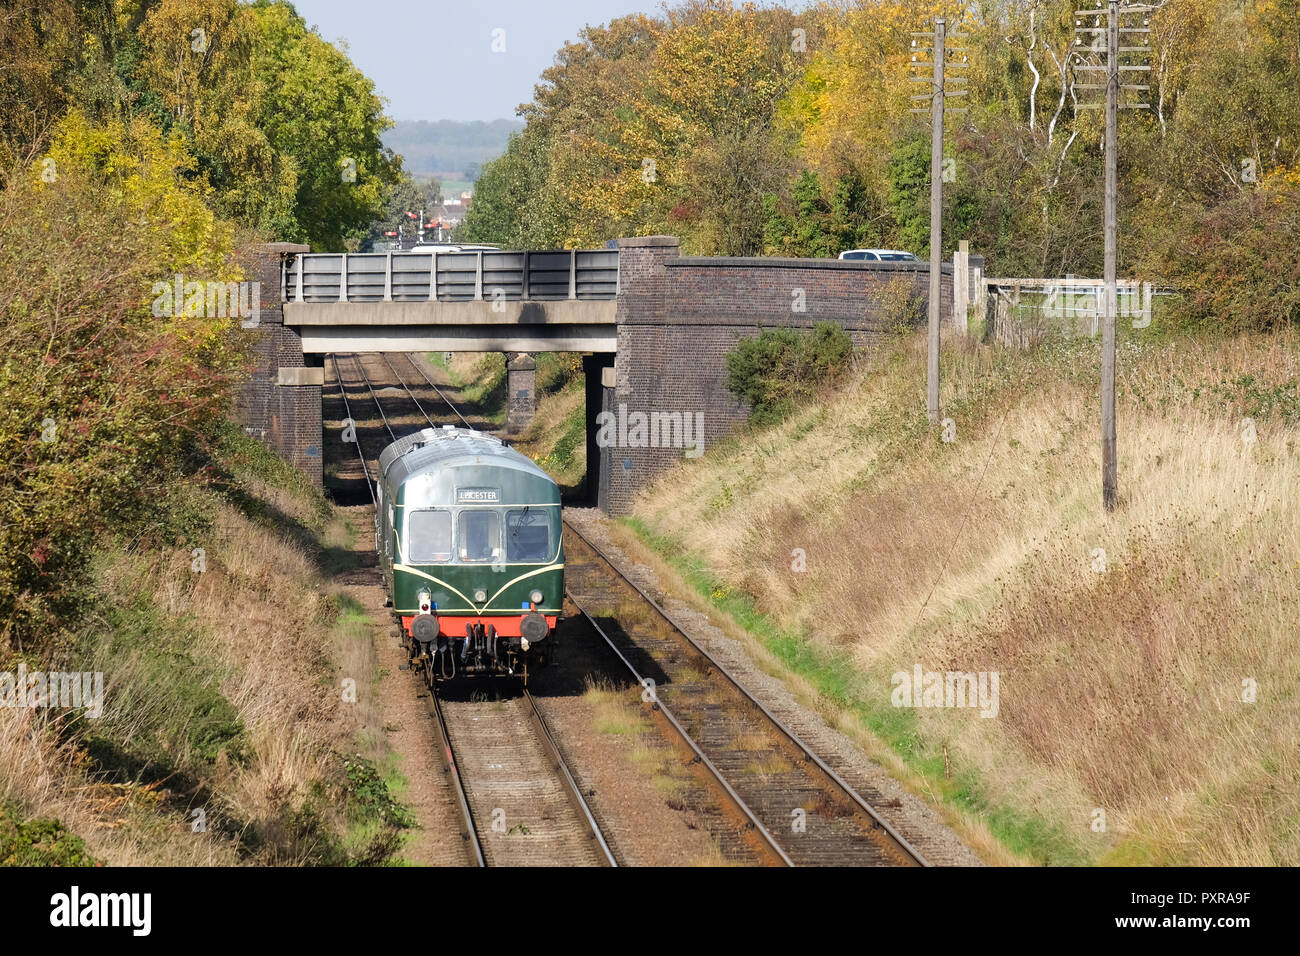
(481, 301)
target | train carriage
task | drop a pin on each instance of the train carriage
(468, 534)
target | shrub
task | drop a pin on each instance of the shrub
(783, 368)
(104, 406)
(1235, 264)
(39, 843)
(899, 303)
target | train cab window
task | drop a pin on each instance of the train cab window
(528, 536)
(480, 536)
(428, 537)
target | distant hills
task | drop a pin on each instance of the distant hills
(450, 150)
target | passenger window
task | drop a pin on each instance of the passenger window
(528, 536)
(428, 536)
(480, 536)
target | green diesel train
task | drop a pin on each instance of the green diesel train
(468, 534)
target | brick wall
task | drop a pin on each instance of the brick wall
(521, 391)
(287, 418)
(678, 317)
(296, 428)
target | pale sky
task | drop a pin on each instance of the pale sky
(434, 60)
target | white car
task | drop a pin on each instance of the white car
(879, 255)
(452, 247)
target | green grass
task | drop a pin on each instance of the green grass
(377, 819)
(439, 360)
(350, 615)
(487, 389)
(562, 460)
(845, 687)
(166, 714)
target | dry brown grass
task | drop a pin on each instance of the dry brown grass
(1119, 690)
(260, 617)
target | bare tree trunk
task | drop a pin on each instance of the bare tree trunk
(1063, 66)
(1029, 58)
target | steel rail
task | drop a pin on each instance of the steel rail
(737, 802)
(402, 382)
(379, 405)
(470, 831)
(571, 787)
(347, 412)
(441, 393)
(878, 822)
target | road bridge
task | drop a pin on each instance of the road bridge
(655, 328)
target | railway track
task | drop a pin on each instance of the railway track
(796, 806)
(519, 802)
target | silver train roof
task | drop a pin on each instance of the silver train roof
(446, 447)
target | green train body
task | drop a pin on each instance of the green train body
(469, 539)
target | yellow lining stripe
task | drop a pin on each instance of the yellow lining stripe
(416, 571)
(549, 567)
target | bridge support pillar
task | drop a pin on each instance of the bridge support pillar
(295, 431)
(280, 404)
(521, 387)
(598, 374)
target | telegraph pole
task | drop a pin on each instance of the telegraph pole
(1109, 464)
(937, 112)
(1113, 30)
(936, 223)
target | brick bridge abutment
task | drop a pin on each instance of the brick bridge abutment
(679, 316)
(281, 402)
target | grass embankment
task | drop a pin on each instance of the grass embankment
(557, 437)
(230, 731)
(1147, 659)
(478, 382)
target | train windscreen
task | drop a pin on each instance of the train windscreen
(480, 536)
(528, 536)
(429, 534)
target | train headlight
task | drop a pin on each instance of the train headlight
(535, 597)
(422, 599)
(480, 595)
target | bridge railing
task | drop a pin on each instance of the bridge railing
(490, 275)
